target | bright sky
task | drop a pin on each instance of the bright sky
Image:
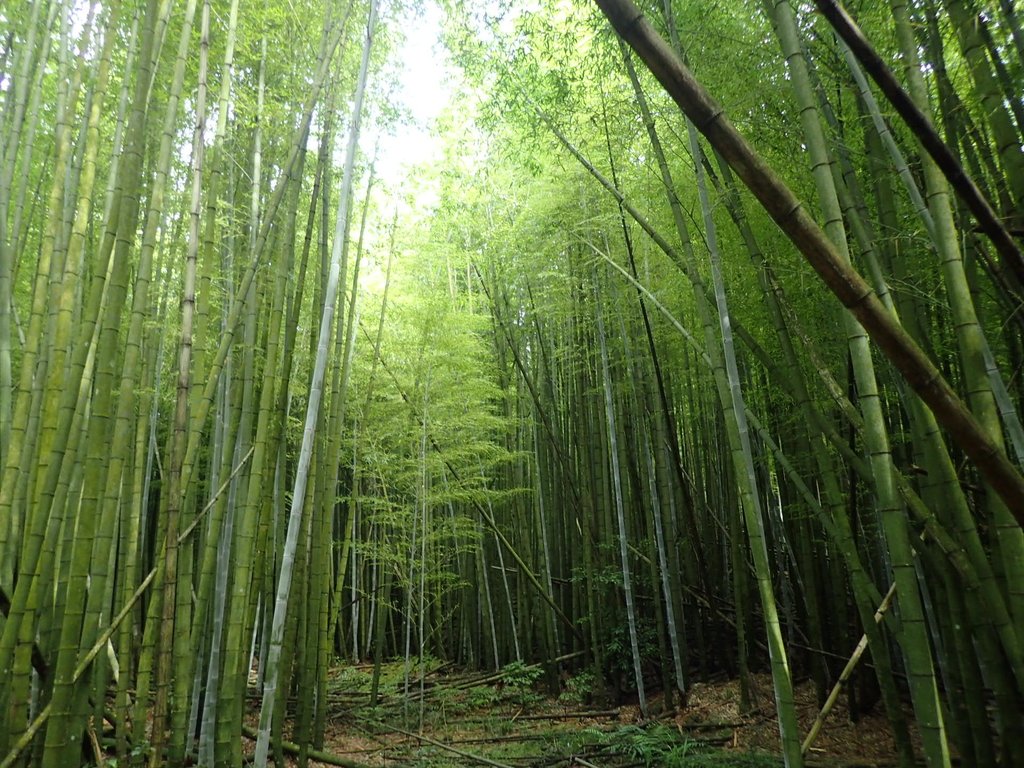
(424, 89)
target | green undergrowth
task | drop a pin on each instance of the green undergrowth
(662, 745)
(508, 717)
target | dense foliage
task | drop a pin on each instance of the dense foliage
(563, 394)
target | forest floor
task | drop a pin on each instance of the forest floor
(503, 721)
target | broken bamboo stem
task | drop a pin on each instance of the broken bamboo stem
(844, 676)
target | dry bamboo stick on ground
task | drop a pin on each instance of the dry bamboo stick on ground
(833, 695)
(316, 754)
(459, 752)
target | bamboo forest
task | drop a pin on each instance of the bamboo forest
(520, 383)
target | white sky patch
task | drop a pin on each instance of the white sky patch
(424, 89)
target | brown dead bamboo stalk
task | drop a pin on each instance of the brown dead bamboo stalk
(845, 282)
(921, 126)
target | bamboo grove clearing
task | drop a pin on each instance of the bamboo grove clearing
(689, 350)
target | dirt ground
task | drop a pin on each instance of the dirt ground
(868, 741)
(489, 724)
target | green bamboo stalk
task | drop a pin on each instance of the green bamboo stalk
(915, 644)
(942, 475)
(229, 714)
(970, 338)
(71, 632)
(616, 477)
(313, 406)
(8, 156)
(100, 645)
(840, 278)
(919, 123)
(751, 504)
(835, 519)
(986, 87)
(164, 707)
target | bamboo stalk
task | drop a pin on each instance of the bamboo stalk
(101, 642)
(919, 123)
(842, 280)
(833, 695)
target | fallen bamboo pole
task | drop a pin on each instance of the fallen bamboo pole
(845, 283)
(319, 755)
(453, 750)
(833, 695)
